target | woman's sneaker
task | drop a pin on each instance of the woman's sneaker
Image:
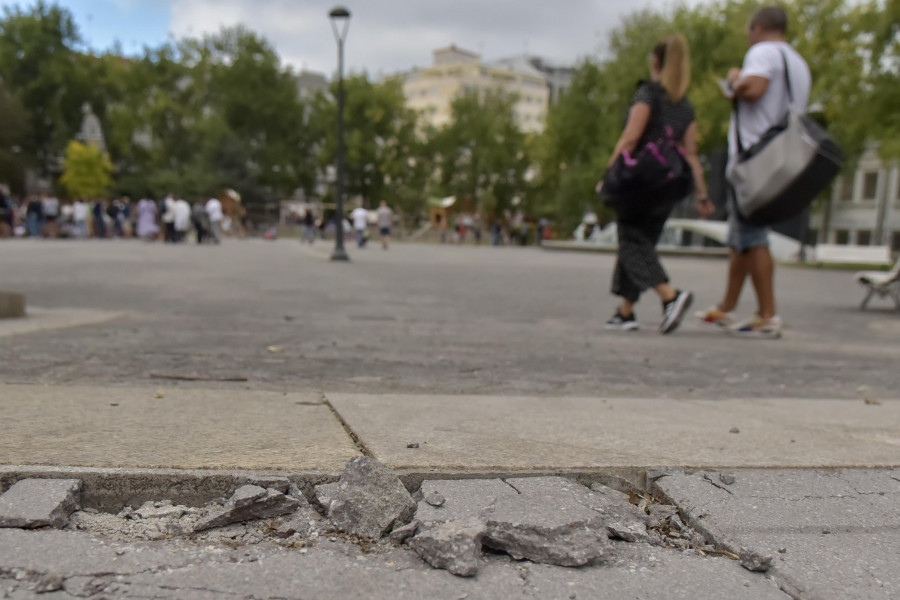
(621, 323)
(756, 327)
(715, 317)
(674, 311)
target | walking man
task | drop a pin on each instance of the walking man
(360, 218)
(762, 100)
(385, 220)
(215, 216)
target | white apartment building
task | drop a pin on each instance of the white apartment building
(864, 207)
(431, 90)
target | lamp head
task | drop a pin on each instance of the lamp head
(339, 12)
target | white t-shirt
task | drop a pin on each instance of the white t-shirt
(360, 218)
(182, 211)
(766, 59)
(79, 211)
(214, 209)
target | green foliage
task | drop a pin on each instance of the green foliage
(86, 171)
(199, 115)
(852, 50)
(482, 152)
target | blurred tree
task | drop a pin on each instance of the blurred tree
(86, 171)
(14, 122)
(482, 154)
(384, 154)
(39, 64)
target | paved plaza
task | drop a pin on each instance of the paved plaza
(422, 319)
(153, 372)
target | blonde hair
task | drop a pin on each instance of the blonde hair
(674, 60)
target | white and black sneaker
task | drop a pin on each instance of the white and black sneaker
(674, 311)
(621, 323)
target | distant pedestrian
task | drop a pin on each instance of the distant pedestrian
(200, 221)
(115, 211)
(215, 216)
(51, 215)
(80, 212)
(761, 98)
(167, 209)
(385, 221)
(97, 212)
(182, 222)
(360, 218)
(147, 229)
(309, 225)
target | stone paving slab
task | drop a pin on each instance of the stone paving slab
(84, 566)
(184, 428)
(832, 534)
(32, 503)
(522, 433)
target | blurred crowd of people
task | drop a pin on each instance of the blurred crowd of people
(171, 219)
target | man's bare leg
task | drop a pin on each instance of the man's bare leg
(762, 274)
(738, 268)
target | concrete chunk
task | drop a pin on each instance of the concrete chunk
(249, 503)
(12, 305)
(453, 546)
(32, 503)
(369, 500)
(550, 522)
(303, 522)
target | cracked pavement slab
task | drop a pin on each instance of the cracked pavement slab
(832, 534)
(90, 567)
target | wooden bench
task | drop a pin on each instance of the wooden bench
(853, 255)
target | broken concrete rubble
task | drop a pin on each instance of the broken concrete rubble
(550, 521)
(453, 546)
(368, 500)
(159, 510)
(754, 561)
(248, 503)
(404, 532)
(32, 503)
(304, 522)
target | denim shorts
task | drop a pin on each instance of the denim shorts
(743, 236)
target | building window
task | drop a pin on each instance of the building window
(842, 237)
(895, 241)
(864, 237)
(870, 185)
(845, 189)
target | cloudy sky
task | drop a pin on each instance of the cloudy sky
(385, 35)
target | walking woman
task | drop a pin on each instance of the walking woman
(660, 108)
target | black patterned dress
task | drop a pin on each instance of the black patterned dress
(637, 265)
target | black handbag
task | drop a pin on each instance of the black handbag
(651, 181)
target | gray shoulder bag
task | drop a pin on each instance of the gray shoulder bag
(780, 175)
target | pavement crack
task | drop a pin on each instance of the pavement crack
(352, 434)
(512, 486)
(721, 487)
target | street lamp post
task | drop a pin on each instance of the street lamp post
(340, 23)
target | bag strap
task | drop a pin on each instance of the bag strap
(790, 91)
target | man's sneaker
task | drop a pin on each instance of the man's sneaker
(621, 323)
(758, 328)
(715, 317)
(674, 311)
